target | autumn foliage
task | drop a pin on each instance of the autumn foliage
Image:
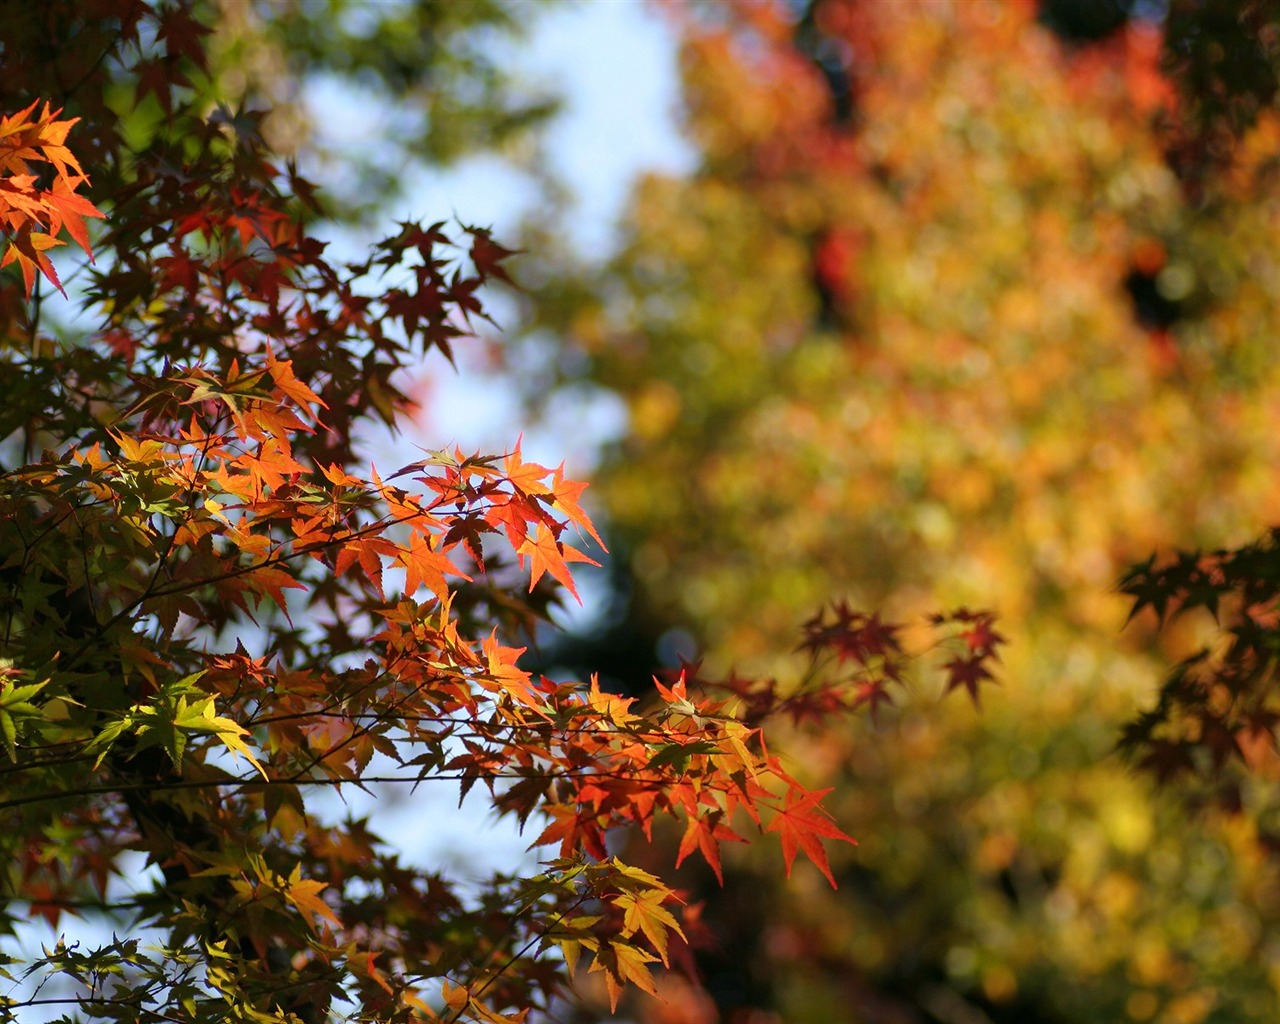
(212, 611)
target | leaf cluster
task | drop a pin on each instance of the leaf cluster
(1215, 714)
(33, 213)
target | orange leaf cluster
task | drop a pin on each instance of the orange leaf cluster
(36, 206)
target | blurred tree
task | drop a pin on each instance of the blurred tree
(988, 290)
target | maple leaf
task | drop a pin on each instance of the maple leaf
(644, 912)
(852, 636)
(981, 639)
(20, 201)
(183, 35)
(202, 717)
(612, 708)
(549, 555)
(27, 249)
(574, 832)
(526, 477)
(704, 833)
(274, 581)
(622, 964)
(565, 494)
(281, 371)
(678, 691)
(51, 136)
(1167, 759)
(872, 694)
(12, 124)
(802, 824)
(487, 255)
(160, 77)
(460, 999)
(424, 566)
(968, 672)
(503, 674)
(304, 893)
(67, 209)
(1148, 588)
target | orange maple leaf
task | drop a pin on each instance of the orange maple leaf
(304, 893)
(526, 477)
(565, 500)
(28, 250)
(273, 582)
(426, 567)
(67, 209)
(281, 371)
(621, 964)
(573, 830)
(546, 554)
(31, 216)
(644, 912)
(502, 673)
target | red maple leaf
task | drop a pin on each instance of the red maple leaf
(802, 824)
(969, 673)
(705, 833)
